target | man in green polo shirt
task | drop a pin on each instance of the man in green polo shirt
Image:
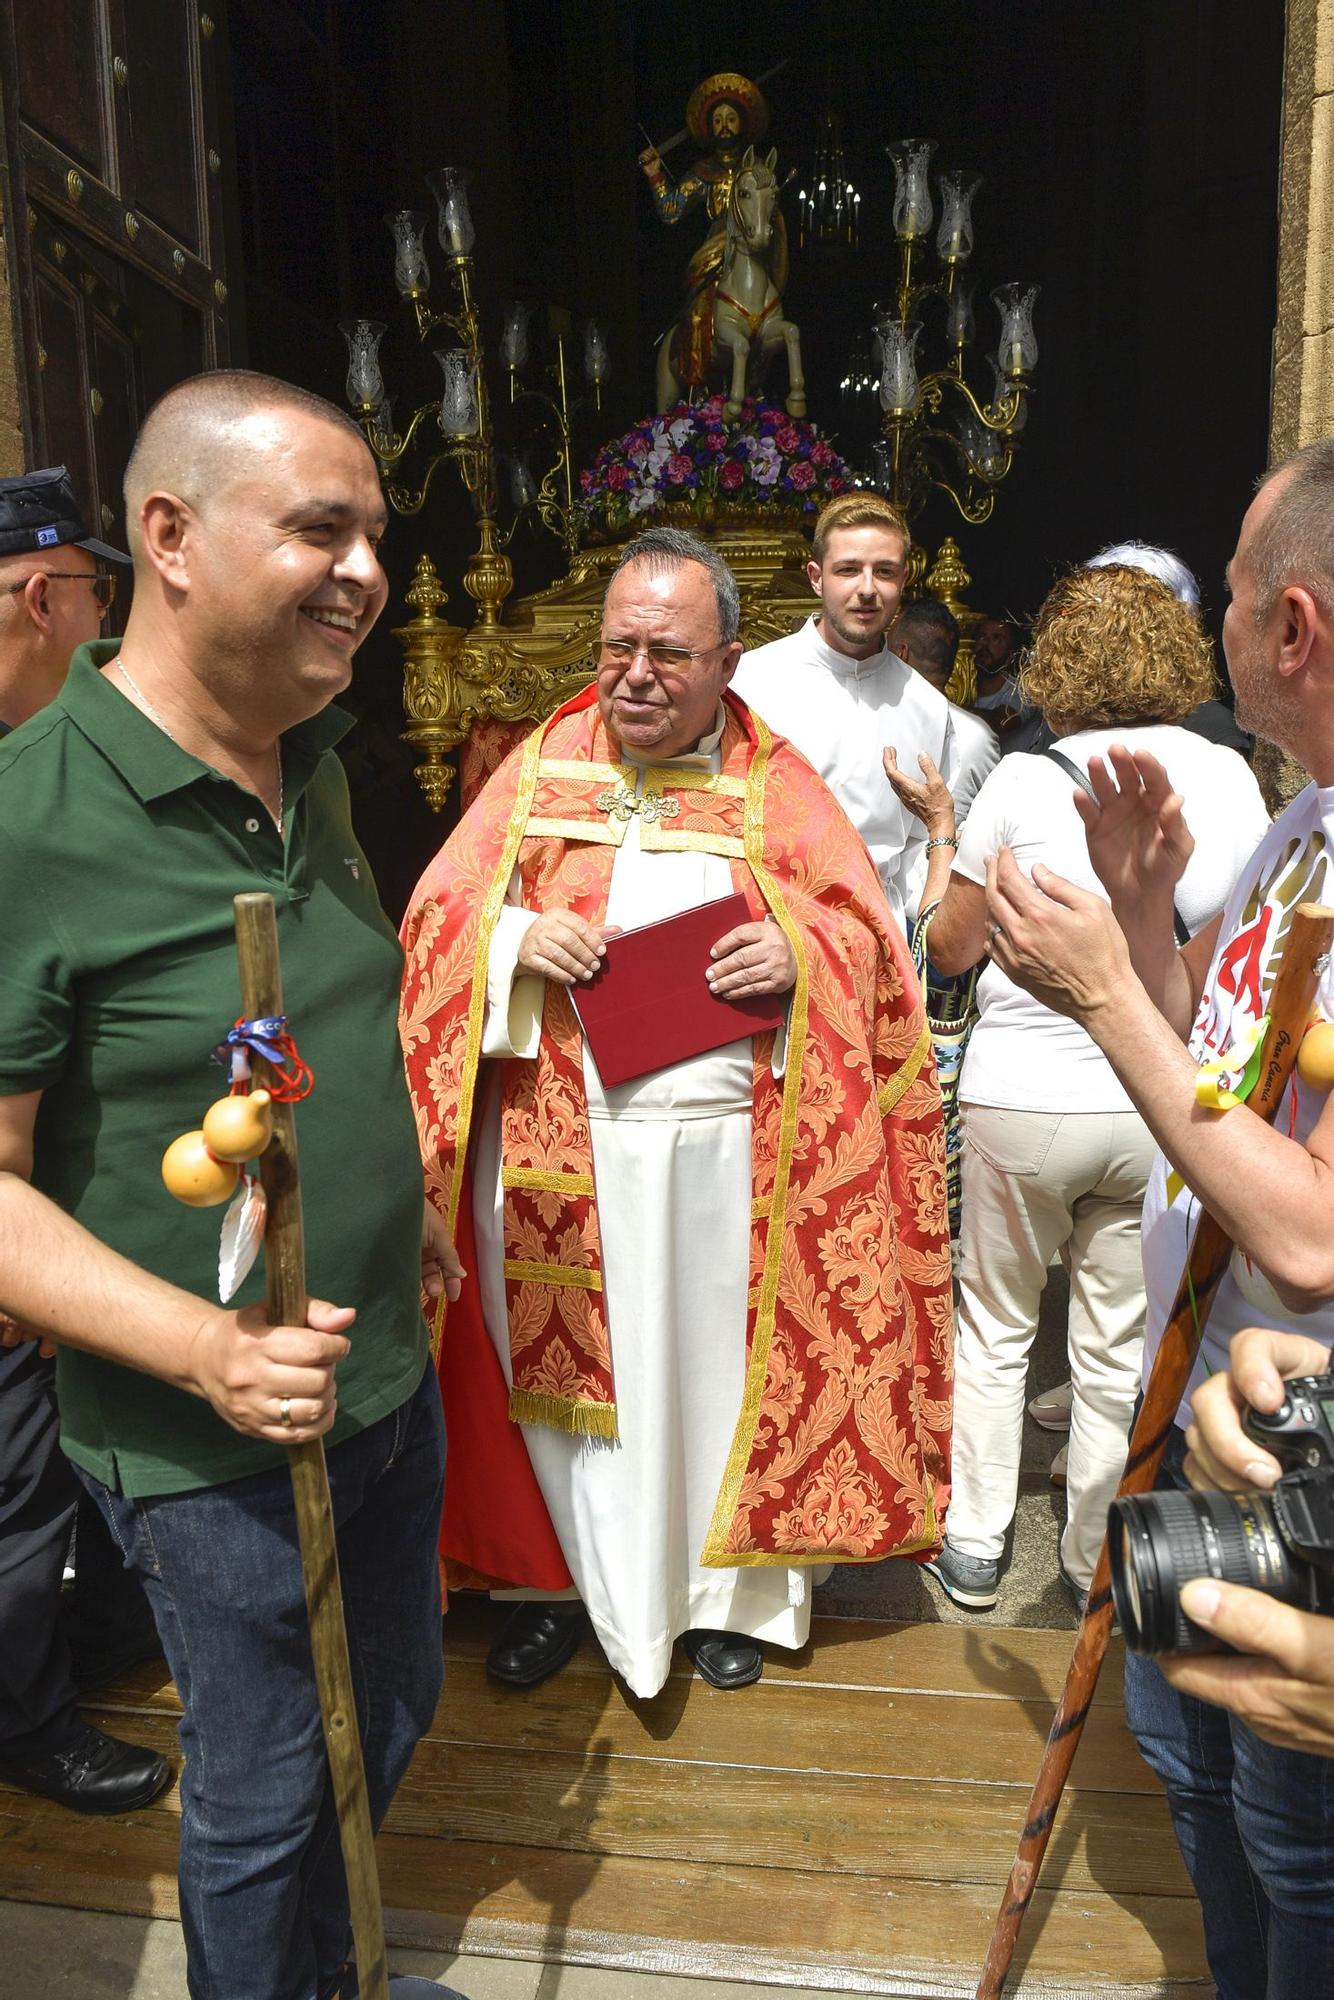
(189, 761)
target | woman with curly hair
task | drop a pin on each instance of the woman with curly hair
(1055, 1160)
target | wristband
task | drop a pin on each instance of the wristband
(943, 840)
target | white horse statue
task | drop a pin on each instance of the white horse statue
(734, 317)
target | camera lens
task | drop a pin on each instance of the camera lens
(1159, 1541)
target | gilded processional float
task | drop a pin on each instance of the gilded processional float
(730, 451)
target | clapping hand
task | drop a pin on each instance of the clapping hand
(1060, 943)
(1138, 840)
(927, 798)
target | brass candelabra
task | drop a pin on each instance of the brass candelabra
(939, 433)
(452, 677)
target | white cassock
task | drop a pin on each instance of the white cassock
(672, 1169)
(841, 714)
(976, 755)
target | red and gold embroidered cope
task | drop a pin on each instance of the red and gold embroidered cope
(841, 1448)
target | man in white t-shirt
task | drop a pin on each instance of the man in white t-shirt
(1255, 1822)
(840, 696)
(927, 637)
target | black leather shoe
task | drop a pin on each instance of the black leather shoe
(724, 1659)
(536, 1642)
(90, 1772)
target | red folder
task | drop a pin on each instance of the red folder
(649, 1005)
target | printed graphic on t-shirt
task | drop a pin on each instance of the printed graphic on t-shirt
(1237, 991)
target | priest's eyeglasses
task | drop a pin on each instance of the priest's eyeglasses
(662, 659)
(103, 587)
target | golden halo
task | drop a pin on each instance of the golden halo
(727, 88)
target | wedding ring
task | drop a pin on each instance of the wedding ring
(285, 1410)
(994, 931)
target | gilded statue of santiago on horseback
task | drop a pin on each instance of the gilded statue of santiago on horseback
(733, 312)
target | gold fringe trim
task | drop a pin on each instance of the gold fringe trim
(495, 898)
(579, 771)
(553, 1274)
(547, 1180)
(657, 838)
(607, 833)
(743, 1438)
(715, 782)
(559, 1414)
(808, 1558)
(905, 1075)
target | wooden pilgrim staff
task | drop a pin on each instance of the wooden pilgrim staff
(1305, 956)
(285, 1303)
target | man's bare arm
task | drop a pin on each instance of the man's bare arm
(58, 1280)
(1274, 1197)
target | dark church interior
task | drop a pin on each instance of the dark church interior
(1129, 156)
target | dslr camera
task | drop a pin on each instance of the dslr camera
(1280, 1542)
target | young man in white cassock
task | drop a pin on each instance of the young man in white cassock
(838, 693)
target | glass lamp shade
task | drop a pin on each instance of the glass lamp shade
(412, 274)
(987, 453)
(382, 430)
(954, 238)
(912, 189)
(597, 362)
(365, 384)
(1017, 353)
(514, 338)
(959, 312)
(898, 366)
(523, 487)
(449, 185)
(1001, 392)
(458, 405)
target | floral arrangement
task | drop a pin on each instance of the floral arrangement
(693, 458)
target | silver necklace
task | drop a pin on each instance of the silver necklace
(153, 716)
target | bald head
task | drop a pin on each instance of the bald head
(201, 436)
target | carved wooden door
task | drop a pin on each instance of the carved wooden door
(113, 220)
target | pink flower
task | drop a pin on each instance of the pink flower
(638, 450)
(711, 408)
(678, 469)
(802, 475)
(731, 475)
(822, 454)
(585, 482)
(618, 477)
(787, 437)
(716, 442)
(836, 485)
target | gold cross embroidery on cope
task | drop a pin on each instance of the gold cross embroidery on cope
(623, 803)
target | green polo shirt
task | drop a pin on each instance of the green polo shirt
(119, 858)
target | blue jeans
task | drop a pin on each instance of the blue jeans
(1255, 1825)
(263, 1897)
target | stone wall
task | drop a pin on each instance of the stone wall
(11, 408)
(1303, 382)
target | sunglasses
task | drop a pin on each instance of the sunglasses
(103, 587)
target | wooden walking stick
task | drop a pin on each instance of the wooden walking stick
(1305, 956)
(285, 1302)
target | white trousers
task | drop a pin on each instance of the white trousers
(1034, 1183)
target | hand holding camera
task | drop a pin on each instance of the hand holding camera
(1245, 1564)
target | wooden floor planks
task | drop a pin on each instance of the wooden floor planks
(849, 1821)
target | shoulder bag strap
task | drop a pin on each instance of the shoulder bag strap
(1072, 770)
